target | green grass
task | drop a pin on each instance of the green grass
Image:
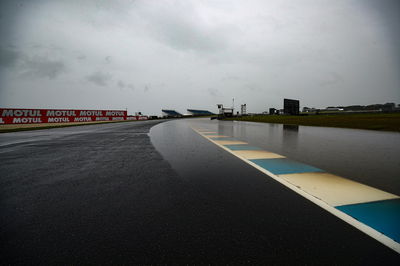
(386, 122)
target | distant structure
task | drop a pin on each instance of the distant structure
(243, 108)
(372, 108)
(272, 111)
(332, 108)
(224, 112)
(387, 107)
(291, 107)
(309, 109)
(171, 113)
(195, 112)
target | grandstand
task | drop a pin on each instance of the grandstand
(194, 112)
(171, 113)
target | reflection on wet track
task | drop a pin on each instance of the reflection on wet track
(369, 157)
(328, 191)
(110, 194)
(345, 198)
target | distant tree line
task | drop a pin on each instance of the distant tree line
(371, 107)
(383, 107)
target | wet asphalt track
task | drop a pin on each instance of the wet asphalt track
(102, 194)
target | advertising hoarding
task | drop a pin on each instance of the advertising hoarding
(33, 116)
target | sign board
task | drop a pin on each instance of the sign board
(137, 117)
(32, 116)
(291, 107)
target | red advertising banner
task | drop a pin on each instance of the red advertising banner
(137, 117)
(31, 116)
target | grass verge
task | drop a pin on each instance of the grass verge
(381, 121)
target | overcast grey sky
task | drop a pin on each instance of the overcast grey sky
(147, 55)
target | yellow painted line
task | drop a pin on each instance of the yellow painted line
(341, 215)
(228, 142)
(336, 190)
(206, 132)
(257, 154)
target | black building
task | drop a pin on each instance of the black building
(291, 107)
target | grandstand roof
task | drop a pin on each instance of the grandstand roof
(199, 112)
(171, 112)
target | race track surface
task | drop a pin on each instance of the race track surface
(103, 194)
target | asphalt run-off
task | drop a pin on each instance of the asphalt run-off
(182, 191)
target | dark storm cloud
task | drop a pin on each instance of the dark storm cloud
(41, 67)
(181, 35)
(331, 80)
(35, 66)
(81, 57)
(214, 92)
(10, 14)
(231, 78)
(8, 57)
(389, 13)
(181, 28)
(121, 84)
(99, 78)
(322, 52)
